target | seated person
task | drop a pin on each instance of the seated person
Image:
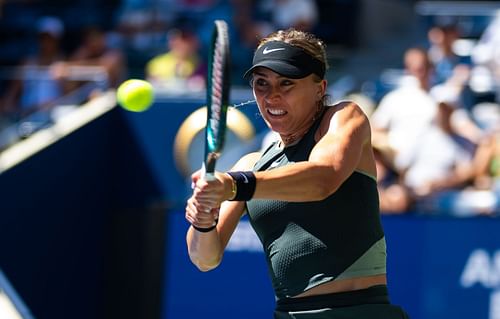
(444, 159)
(95, 51)
(181, 68)
(446, 163)
(35, 87)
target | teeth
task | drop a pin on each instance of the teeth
(276, 111)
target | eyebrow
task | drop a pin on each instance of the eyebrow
(260, 74)
(279, 76)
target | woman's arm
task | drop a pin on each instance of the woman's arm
(206, 249)
(343, 146)
(337, 154)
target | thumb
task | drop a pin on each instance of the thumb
(196, 176)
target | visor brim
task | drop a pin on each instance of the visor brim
(281, 67)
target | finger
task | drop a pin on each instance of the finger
(215, 212)
(204, 209)
(200, 221)
(200, 211)
(196, 176)
(208, 200)
(198, 218)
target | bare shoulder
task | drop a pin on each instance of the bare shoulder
(346, 109)
(342, 114)
(247, 162)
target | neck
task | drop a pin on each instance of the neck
(291, 139)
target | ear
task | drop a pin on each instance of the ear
(321, 89)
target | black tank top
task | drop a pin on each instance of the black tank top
(310, 243)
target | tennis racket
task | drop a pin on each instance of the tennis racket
(218, 83)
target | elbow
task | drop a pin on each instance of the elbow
(205, 265)
(325, 187)
(324, 190)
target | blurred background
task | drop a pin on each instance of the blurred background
(92, 196)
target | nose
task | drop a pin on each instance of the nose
(273, 94)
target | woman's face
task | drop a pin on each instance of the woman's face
(287, 105)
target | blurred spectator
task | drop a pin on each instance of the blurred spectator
(35, 86)
(298, 14)
(441, 52)
(248, 28)
(462, 121)
(488, 117)
(394, 198)
(97, 51)
(397, 124)
(142, 23)
(404, 113)
(445, 163)
(418, 65)
(486, 55)
(181, 68)
(443, 159)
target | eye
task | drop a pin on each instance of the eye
(259, 82)
(287, 84)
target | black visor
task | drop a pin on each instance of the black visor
(287, 60)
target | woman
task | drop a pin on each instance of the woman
(311, 196)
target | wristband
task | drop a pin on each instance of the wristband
(245, 185)
(206, 230)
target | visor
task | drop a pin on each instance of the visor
(287, 60)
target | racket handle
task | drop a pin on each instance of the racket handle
(207, 176)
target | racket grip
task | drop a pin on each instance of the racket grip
(207, 176)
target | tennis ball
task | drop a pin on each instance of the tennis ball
(135, 95)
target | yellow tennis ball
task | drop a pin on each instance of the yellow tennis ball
(135, 95)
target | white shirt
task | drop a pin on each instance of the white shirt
(405, 113)
(436, 157)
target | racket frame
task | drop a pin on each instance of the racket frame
(218, 88)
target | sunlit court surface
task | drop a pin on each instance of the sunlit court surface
(93, 195)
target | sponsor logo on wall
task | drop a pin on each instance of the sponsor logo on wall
(483, 269)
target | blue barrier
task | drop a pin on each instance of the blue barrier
(437, 268)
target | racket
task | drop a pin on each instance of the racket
(218, 83)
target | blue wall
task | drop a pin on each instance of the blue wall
(74, 222)
(427, 258)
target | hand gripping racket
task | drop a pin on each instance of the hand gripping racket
(218, 83)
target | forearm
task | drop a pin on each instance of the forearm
(454, 180)
(298, 182)
(204, 249)
(207, 248)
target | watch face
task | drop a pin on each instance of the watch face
(189, 145)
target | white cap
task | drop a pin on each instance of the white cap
(50, 25)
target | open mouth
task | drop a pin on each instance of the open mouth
(276, 112)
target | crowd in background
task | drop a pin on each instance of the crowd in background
(436, 135)
(62, 52)
(436, 129)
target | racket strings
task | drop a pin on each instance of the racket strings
(219, 69)
(217, 77)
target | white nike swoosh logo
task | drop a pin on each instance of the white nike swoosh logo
(245, 178)
(266, 50)
(274, 164)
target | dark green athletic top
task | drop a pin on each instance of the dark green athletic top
(310, 243)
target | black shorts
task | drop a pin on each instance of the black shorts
(370, 303)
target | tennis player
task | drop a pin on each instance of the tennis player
(311, 196)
